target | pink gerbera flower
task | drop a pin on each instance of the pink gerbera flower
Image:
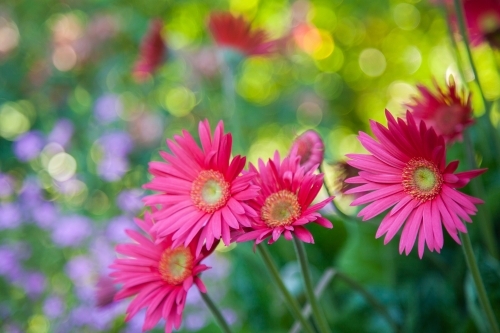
(483, 20)
(406, 170)
(152, 53)
(309, 146)
(284, 203)
(447, 112)
(235, 33)
(158, 275)
(202, 191)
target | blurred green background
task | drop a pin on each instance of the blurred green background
(339, 64)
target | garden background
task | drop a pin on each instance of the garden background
(78, 128)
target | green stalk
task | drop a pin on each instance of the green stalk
(318, 291)
(483, 215)
(487, 110)
(318, 315)
(216, 313)
(289, 300)
(476, 276)
(231, 115)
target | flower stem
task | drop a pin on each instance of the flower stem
(483, 215)
(476, 276)
(304, 265)
(289, 300)
(369, 298)
(487, 109)
(231, 114)
(216, 313)
(318, 291)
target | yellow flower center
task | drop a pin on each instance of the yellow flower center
(210, 191)
(280, 209)
(422, 179)
(176, 265)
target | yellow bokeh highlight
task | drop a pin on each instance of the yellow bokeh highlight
(238, 6)
(256, 83)
(179, 101)
(38, 324)
(13, 121)
(322, 17)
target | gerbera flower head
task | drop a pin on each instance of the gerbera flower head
(152, 52)
(310, 148)
(157, 274)
(342, 171)
(483, 20)
(446, 111)
(105, 291)
(284, 203)
(234, 33)
(406, 170)
(202, 190)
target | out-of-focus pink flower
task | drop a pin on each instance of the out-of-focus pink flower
(158, 275)
(446, 111)
(235, 33)
(483, 20)
(310, 148)
(343, 171)
(284, 203)
(105, 291)
(203, 189)
(152, 53)
(406, 170)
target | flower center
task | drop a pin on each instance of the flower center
(422, 179)
(280, 209)
(176, 265)
(210, 191)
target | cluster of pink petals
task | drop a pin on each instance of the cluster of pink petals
(279, 175)
(311, 149)
(235, 33)
(381, 176)
(446, 111)
(140, 275)
(180, 218)
(152, 53)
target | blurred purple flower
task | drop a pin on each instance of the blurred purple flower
(230, 316)
(62, 132)
(10, 216)
(130, 201)
(9, 263)
(112, 168)
(108, 108)
(79, 269)
(31, 193)
(12, 328)
(71, 230)
(103, 253)
(45, 215)
(195, 321)
(28, 146)
(116, 143)
(6, 185)
(116, 229)
(33, 284)
(53, 307)
(134, 325)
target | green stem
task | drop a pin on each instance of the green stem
(216, 313)
(476, 276)
(232, 115)
(483, 215)
(369, 298)
(304, 265)
(487, 109)
(289, 300)
(318, 291)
